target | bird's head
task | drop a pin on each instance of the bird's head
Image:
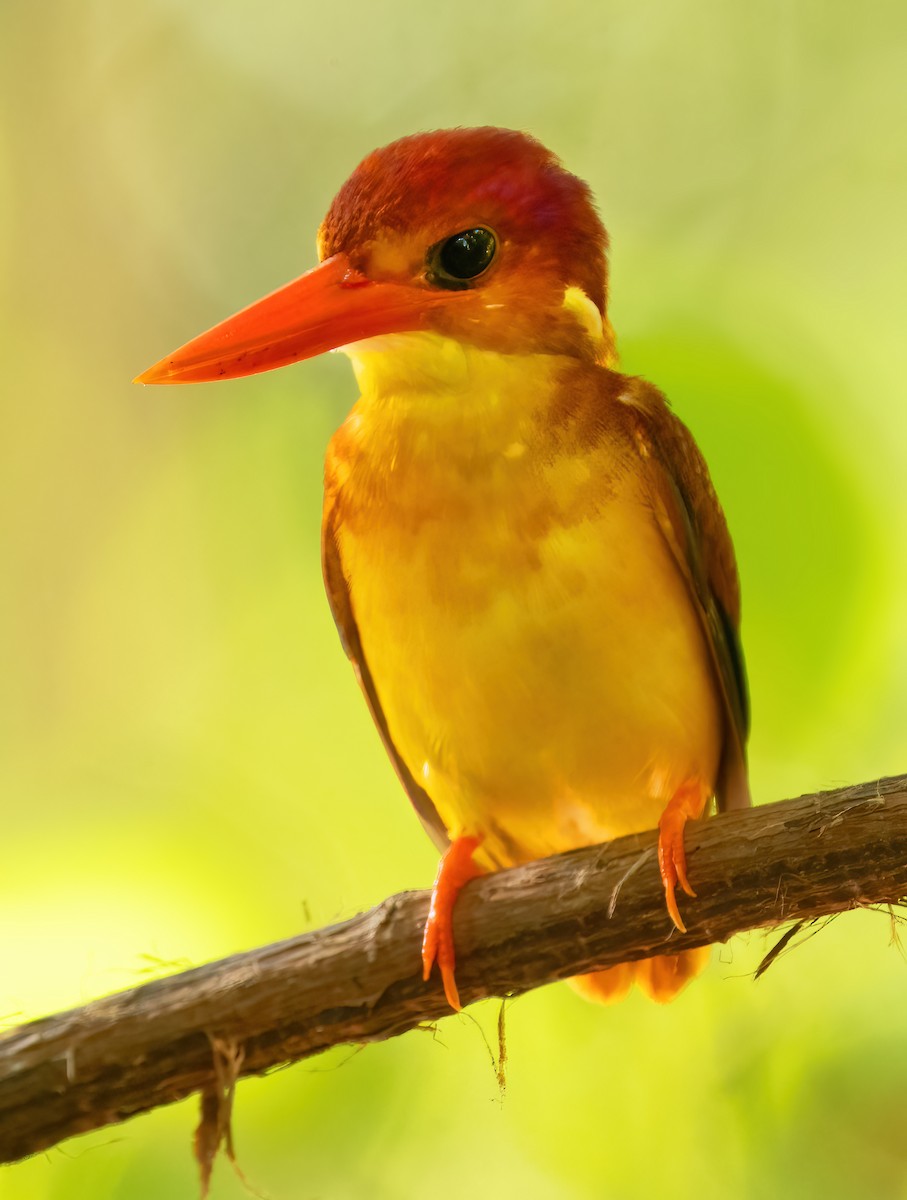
(479, 235)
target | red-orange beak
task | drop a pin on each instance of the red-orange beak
(330, 306)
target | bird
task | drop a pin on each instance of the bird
(522, 548)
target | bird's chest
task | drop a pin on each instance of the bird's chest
(516, 607)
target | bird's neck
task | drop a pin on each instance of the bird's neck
(458, 436)
(430, 402)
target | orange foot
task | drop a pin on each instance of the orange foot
(688, 801)
(455, 869)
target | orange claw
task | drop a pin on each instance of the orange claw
(688, 801)
(455, 869)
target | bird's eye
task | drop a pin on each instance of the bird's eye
(458, 260)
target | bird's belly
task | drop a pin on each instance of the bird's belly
(547, 692)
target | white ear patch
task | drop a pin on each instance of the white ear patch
(578, 303)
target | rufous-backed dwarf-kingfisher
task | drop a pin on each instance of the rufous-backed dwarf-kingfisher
(522, 548)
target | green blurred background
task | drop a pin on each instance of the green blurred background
(187, 767)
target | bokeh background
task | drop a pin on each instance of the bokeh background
(187, 768)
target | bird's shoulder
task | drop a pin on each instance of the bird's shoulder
(657, 446)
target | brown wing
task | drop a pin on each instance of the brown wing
(690, 517)
(341, 606)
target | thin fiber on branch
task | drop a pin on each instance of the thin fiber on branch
(361, 980)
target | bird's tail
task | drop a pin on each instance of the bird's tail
(659, 978)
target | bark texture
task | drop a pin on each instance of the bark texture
(360, 981)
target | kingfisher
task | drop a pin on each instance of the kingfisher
(522, 548)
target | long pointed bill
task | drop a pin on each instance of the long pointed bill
(330, 306)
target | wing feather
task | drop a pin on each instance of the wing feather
(693, 524)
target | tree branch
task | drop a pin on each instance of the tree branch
(361, 981)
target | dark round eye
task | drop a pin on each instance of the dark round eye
(456, 261)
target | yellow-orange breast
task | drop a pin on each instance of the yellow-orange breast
(532, 643)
